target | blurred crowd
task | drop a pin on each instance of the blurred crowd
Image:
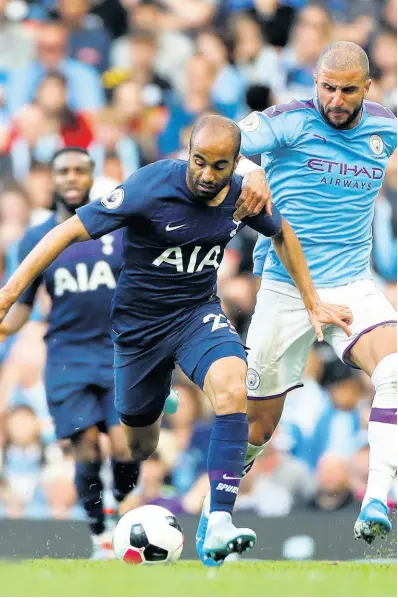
(126, 79)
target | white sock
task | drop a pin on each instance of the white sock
(382, 431)
(219, 517)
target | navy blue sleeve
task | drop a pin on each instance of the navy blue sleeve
(25, 247)
(269, 226)
(135, 197)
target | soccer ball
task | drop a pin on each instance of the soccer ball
(149, 534)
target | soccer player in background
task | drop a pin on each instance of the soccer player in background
(325, 160)
(79, 374)
(179, 217)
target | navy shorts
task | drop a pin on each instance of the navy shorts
(80, 397)
(143, 373)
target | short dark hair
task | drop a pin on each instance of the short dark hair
(221, 123)
(72, 149)
(344, 56)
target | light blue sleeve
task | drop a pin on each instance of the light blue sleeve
(260, 253)
(265, 132)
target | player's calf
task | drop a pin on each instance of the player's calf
(263, 417)
(88, 482)
(225, 387)
(142, 434)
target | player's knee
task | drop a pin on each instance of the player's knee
(232, 399)
(86, 447)
(261, 429)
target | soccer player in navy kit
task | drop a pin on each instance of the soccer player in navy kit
(178, 218)
(79, 374)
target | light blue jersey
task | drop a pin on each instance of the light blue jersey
(325, 182)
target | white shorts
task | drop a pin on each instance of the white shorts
(280, 334)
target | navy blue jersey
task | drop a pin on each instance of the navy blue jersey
(81, 283)
(172, 247)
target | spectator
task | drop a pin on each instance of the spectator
(191, 15)
(73, 128)
(339, 422)
(276, 484)
(199, 81)
(384, 58)
(38, 184)
(312, 31)
(59, 493)
(23, 453)
(15, 212)
(84, 88)
(145, 122)
(16, 45)
(173, 48)
(257, 62)
(385, 226)
(30, 140)
(142, 70)
(333, 487)
(228, 86)
(111, 138)
(88, 39)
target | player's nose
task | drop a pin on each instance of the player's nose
(338, 100)
(207, 176)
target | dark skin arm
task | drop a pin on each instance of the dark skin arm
(255, 196)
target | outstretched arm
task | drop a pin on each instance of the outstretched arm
(291, 254)
(45, 252)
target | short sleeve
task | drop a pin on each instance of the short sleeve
(136, 197)
(29, 295)
(265, 132)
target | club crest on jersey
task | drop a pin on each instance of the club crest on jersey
(233, 232)
(252, 379)
(250, 123)
(376, 144)
(114, 200)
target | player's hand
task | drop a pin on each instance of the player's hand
(255, 196)
(326, 313)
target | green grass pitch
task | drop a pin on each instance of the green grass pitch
(188, 578)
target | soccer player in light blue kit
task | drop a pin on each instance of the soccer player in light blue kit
(325, 160)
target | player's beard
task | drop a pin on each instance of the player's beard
(203, 196)
(346, 124)
(71, 208)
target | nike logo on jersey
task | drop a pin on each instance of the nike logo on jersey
(169, 228)
(320, 137)
(227, 477)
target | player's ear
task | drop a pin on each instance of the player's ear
(367, 87)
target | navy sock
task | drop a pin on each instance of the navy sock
(226, 458)
(125, 477)
(89, 489)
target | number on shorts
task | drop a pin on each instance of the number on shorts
(217, 323)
